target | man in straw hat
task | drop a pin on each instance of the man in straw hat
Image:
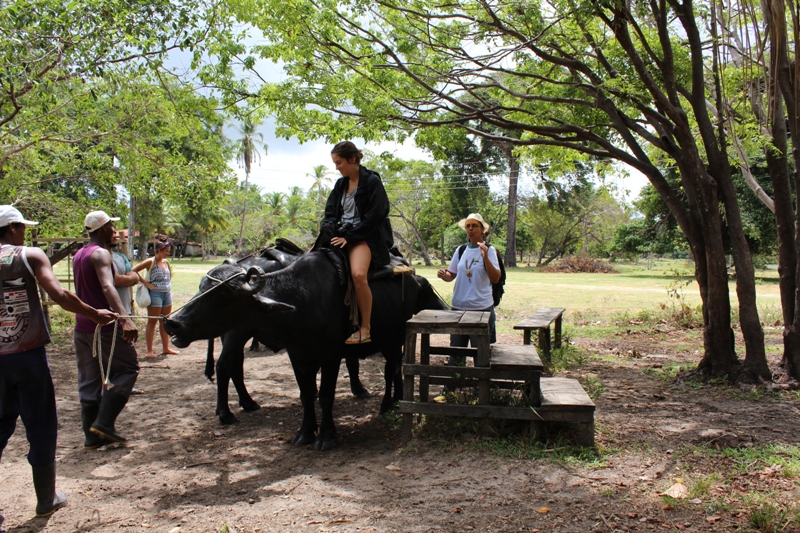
(474, 267)
(104, 385)
(26, 385)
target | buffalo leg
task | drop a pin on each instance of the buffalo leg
(326, 439)
(246, 402)
(307, 381)
(356, 387)
(209, 372)
(393, 378)
(230, 367)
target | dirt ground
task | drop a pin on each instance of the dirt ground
(181, 471)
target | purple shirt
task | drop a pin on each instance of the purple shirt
(88, 289)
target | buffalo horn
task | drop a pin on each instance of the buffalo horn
(229, 261)
(258, 274)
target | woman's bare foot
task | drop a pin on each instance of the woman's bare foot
(169, 351)
(150, 355)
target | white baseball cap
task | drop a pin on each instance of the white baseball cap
(10, 214)
(96, 220)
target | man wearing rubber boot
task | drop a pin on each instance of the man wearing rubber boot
(26, 385)
(104, 383)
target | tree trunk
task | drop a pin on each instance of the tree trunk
(418, 237)
(244, 211)
(785, 88)
(510, 258)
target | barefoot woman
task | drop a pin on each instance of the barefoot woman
(358, 214)
(160, 287)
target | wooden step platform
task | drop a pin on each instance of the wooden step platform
(562, 400)
(509, 366)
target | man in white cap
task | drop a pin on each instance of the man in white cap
(102, 397)
(26, 385)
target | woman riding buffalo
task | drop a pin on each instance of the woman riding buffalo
(357, 213)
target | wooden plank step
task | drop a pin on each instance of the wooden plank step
(471, 372)
(514, 357)
(534, 414)
(541, 318)
(564, 394)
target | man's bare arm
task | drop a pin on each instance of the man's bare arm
(66, 299)
(126, 280)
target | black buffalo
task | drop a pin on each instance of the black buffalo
(230, 365)
(301, 307)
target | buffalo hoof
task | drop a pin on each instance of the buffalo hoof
(363, 394)
(325, 444)
(303, 439)
(386, 407)
(249, 407)
(227, 419)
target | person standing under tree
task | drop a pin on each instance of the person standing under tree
(102, 396)
(474, 268)
(26, 384)
(124, 277)
(160, 287)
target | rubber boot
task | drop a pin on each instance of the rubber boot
(47, 498)
(111, 406)
(88, 416)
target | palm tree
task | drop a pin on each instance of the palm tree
(275, 202)
(246, 155)
(321, 176)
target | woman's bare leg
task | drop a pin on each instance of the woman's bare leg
(360, 258)
(150, 332)
(166, 310)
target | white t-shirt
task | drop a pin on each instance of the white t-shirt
(472, 293)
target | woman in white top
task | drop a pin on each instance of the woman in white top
(474, 270)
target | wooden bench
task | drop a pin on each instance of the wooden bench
(541, 321)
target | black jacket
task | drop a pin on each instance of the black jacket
(373, 208)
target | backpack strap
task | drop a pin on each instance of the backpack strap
(460, 251)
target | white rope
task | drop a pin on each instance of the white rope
(97, 350)
(97, 341)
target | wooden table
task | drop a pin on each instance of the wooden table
(496, 365)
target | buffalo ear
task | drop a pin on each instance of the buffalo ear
(272, 306)
(254, 280)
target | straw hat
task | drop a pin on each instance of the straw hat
(476, 217)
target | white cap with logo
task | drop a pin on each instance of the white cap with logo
(10, 215)
(96, 220)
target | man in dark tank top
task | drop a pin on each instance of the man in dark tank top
(26, 385)
(102, 397)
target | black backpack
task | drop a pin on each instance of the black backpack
(497, 288)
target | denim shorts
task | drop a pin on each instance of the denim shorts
(160, 298)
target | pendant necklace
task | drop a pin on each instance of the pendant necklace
(469, 269)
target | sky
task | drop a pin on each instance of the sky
(288, 164)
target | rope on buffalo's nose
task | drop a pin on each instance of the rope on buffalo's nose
(220, 283)
(97, 341)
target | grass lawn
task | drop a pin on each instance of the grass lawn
(588, 298)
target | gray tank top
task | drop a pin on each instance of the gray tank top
(349, 209)
(22, 324)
